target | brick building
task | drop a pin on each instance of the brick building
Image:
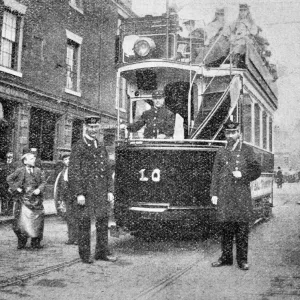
(57, 65)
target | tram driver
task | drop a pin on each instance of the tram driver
(159, 121)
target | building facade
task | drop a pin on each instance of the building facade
(57, 65)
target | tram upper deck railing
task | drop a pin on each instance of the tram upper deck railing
(161, 38)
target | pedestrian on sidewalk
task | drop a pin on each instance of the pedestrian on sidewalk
(234, 168)
(63, 198)
(27, 185)
(5, 196)
(279, 178)
(92, 186)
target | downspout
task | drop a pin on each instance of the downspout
(100, 55)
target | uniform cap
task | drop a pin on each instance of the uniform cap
(158, 94)
(230, 125)
(92, 120)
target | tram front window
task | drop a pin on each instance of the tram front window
(151, 119)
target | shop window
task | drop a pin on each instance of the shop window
(257, 124)
(12, 37)
(42, 132)
(77, 130)
(73, 63)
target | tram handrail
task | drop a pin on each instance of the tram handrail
(157, 141)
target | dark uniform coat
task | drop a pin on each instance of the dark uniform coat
(234, 195)
(157, 120)
(90, 175)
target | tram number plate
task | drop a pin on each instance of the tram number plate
(155, 175)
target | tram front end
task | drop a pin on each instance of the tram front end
(163, 184)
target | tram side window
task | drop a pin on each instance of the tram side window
(247, 120)
(257, 124)
(138, 107)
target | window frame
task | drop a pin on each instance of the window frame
(122, 94)
(75, 39)
(15, 8)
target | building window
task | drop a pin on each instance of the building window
(270, 134)
(257, 124)
(12, 37)
(42, 132)
(265, 130)
(77, 4)
(73, 63)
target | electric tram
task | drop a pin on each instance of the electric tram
(162, 182)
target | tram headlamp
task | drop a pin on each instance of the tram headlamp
(143, 46)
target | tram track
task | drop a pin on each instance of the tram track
(18, 280)
(162, 284)
(145, 294)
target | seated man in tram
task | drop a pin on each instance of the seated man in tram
(159, 121)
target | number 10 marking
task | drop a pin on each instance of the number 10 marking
(155, 176)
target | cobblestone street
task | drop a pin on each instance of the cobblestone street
(160, 270)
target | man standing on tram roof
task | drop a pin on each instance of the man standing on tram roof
(159, 121)
(234, 168)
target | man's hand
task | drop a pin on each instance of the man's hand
(110, 198)
(81, 200)
(237, 174)
(19, 190)
(214, 200)
(36, 191)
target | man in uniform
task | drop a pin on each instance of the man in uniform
(234, 168)
(92, 185)
(159, 121)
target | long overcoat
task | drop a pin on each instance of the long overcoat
(234, 195)
(90, 175)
